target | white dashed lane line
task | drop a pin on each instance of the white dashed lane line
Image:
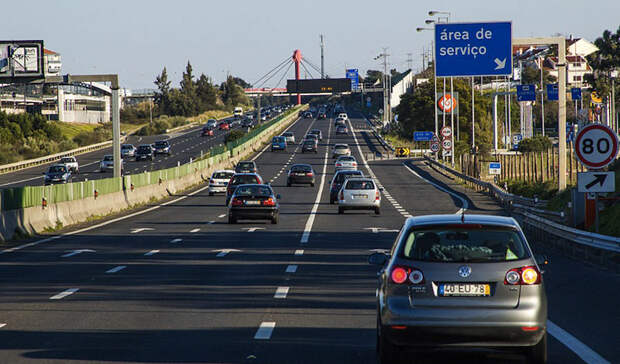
(264, 331)
(64, 294)
(299, 252)
(177, 240)
(194, 230)
(116, 269)
(291, 268)
(152, 252)
(281, 292)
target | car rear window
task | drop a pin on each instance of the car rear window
(259, 191)
(360, 185)
(346, 159)
(341, 147)
(340, 177)
(308, 142)
(287, 134)
(108, 158)
(466, 243)
(222, 175)
(278, 139)
(301, 168)
(144, 148)
(161, 144)
(57, 169)
(67, 160)
(245, 179)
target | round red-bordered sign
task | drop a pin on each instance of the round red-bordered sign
(435, 147)
(596, 146)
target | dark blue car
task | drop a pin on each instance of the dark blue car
(278, 143)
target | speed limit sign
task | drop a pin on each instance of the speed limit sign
(446, 132)
(435, 147)
(596, 146)
(446, 144)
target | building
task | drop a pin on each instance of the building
(53, 62)
(576, 69)
(401, 84)
(580, 47)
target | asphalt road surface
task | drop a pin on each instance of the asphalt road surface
(177, 284)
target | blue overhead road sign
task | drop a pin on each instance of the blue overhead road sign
(526, 92)
(473, 49)
(423, 136)
(354, 76)
(552, 92)
(575, 93)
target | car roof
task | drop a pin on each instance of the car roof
(247, 162)
(458, 219)
(341, 145)
(246, 174)
(350, 171)
(301, 165)
(145, 145)
(223, 170)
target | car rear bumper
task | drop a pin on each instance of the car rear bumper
(301, 179)
(500, 335)
(253, 213)
(216, 189)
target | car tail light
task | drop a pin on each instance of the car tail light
(377, 196)
(237, 202)
(338, 164)
(526, 276)
(211, 180)
(341, 196)
(269, 202)
(399, 275)
(354, 164)
(309, 174)
(258, 180)
(529, 328)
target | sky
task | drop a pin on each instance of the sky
(136, 38)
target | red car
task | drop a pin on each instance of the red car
(224, 126)
(206, 132)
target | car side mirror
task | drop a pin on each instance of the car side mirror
(378, 259)
(278, 196)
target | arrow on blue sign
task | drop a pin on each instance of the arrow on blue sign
(473, 49)
(526, 93)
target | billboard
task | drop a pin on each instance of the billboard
(318, 85)
(21, 60)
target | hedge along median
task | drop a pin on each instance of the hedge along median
(32, 209)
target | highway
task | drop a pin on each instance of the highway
(175, 283)
(185, 144)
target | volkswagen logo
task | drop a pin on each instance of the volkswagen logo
(464, 271)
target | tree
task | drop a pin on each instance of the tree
(188, 89)
(163, 87)
(207, 93)
(241, 82)
(372, 76)
(531, 75)
(605, 60)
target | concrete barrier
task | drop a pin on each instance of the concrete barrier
(36, 219)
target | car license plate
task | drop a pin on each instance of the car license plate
(464, 289)
(252, 202)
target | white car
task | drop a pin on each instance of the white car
(212, 124)
(290, 137)
(341, 150)
(128, 150)
(71, 163)
(107, 163)
(343, 115)
(346, 163)
(359, 193)
(219, 181)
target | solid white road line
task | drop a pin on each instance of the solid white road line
(177, 240)
(194, 230)
(299, 252)
(222, 215)
(23, 180)
(2, 325)
(281, 292)
(139, 230)
(264, 331)
(464, 205)
(308, 228)
(582, 350)
(152, 252)
(64, 294)
(116, 269)
(365, 163)
(291, 268)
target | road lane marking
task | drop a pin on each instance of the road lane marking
(464, 203)
(194, 230)
(152, 252)
(210, 222)
(64, 294)
(2, 325)
(177, 240)
(116, 269)
(264, 331)
(308, 228)
(291, 268)
(281, 292)
(253, 229)
(299, 252)
(139, 230)
(76, 252)
(224, 252)
(222, 215)
(24, 180)
(582, 350)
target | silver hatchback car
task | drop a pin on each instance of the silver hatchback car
(359, 193)
(461, 281)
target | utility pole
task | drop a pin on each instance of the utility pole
(542, 97)
(410, 61)
(322, 57)
(386, 88)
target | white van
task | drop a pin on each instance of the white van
(238, 111)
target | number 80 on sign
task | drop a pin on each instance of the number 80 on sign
(596, 146)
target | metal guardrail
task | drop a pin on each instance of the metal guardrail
(608, 244)
(7, 168)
